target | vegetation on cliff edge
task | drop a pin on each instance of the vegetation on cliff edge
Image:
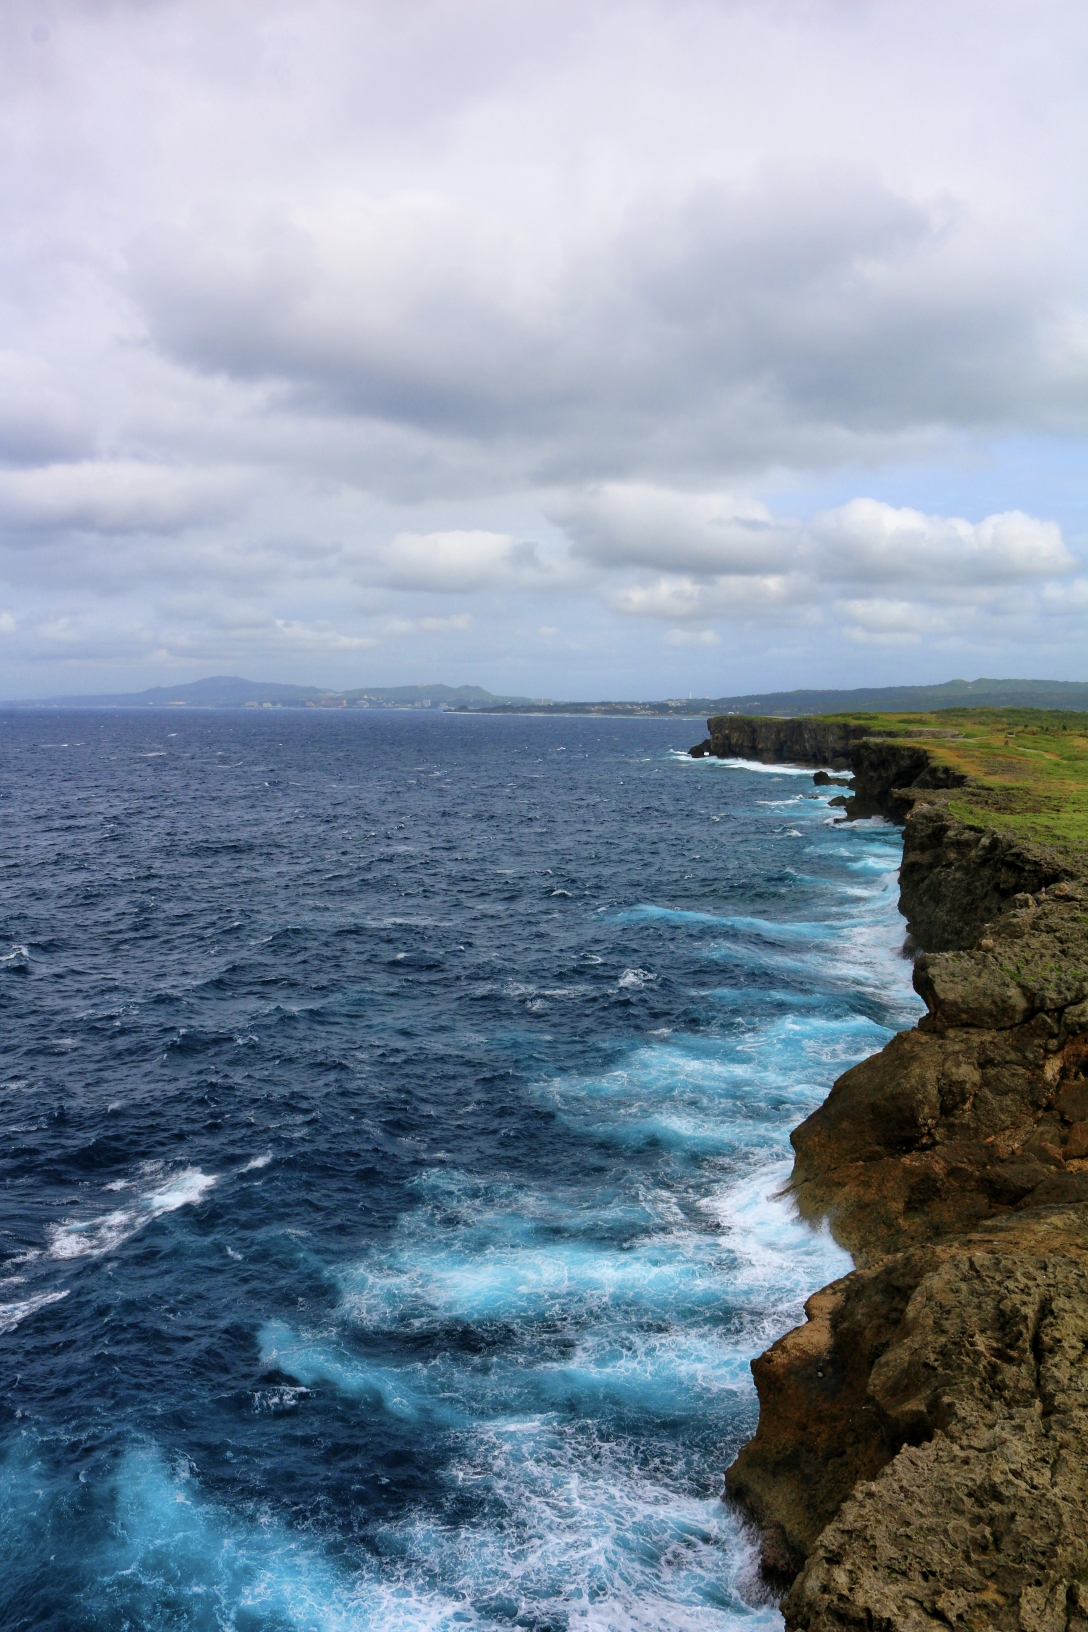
(1029, 767)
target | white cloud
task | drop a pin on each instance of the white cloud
(731, 597)
(638, 524)
(1069, 599)
(458, 562)
(866, 541)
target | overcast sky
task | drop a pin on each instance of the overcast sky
(612, 349)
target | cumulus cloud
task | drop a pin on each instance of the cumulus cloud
(886, 576)
(729, 597)
(868, 541)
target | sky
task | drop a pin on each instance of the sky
(613, 350)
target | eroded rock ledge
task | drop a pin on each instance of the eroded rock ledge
(921, 1458)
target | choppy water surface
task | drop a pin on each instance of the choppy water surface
(394, 1107)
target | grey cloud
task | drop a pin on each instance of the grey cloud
(114, 496)
(638, 525)
(41, 422)
(344, 303)
(776, 319)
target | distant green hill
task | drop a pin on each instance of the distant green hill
(1062, 694)
(893, 699)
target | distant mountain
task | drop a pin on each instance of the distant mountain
(230, 691)
(220, 691)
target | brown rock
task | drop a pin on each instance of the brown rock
(1076, 1146)
(922, 1445)
(1073, 1100)
(970, 989)
(980, 1517)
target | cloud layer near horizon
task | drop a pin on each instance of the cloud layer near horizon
(632, 348)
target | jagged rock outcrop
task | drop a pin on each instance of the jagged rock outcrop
(921, 1458)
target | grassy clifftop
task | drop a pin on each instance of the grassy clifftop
(1029, 766)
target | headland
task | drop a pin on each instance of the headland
(921, 1458)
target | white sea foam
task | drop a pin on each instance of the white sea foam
(93, 1237)
(13, 1314)
(633, 980)
(592, 1537)
(256, 1163)
(596, 1548)
(755, 765)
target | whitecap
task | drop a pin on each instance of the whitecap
(256, 1163)
(94, 1237)
(13, 1314)
(633, 980)
(591, 1545)
(758, 765)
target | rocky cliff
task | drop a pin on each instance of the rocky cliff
(881, 767)
(800, 741)
(921, 1457)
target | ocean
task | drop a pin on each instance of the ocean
(396, 1110)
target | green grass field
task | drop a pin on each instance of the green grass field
(1031, 765)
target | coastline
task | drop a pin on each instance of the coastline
(921, 1456)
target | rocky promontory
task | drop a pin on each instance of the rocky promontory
(921, 1458)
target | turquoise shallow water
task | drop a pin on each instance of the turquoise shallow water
(395, 1108)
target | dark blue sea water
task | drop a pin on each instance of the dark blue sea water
(394, 1109)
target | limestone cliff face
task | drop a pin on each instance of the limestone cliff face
(955, 878)
(922, 1451)
(888, 775)
(797, 742)
(971, 1510)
